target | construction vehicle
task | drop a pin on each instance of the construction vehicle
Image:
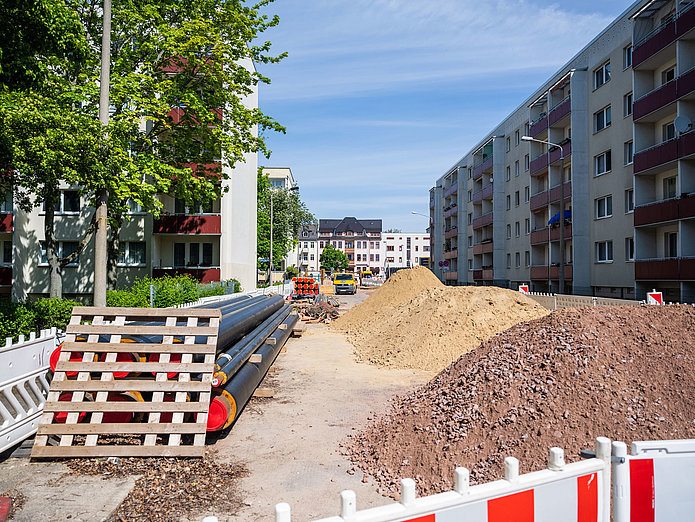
(344, 283)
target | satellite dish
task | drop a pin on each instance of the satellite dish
(682, 124)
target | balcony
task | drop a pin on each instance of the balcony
(685, 21)
(539, 200)
(555, 272)
(686, 206)
(484, 193)
(482, 248)
(451, 211)
(178, 115)
(655, 100)
(656, 270)
(483, 167)
(452, 232)
(687, 268)
(543, 272)
(450, 276)
(557, 192)
(654, 42)
(477, 275)
(540, 125)
(203, 275)
(656, 212)
(451, 189)
(451, 254)
(541, 163)
(488, 274)
(556, 152)
(558, 112)
(6, 222)
(539, 236)
(538, 164)
(482, 221)
(555, 233)
(210, 224)
(539, 273)
(655, 156)
(5, 276)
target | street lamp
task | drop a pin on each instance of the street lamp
(293, 188)
(561, 279)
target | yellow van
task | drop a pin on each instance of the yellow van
(344, 283)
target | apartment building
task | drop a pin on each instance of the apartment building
(307, 251)
(405, 250)
(608, 152)
(281, 178)
(359, 239)
(210, 242)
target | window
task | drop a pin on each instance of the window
(670, 187)
(470, 241)
(400, 248)
(376, 257)
(509, 144)
(527, 128)
(63, 249)
(470, 264)
(516, 169)
(389, 248)
(604, 251)
(517, 229)
(527, 226)
(627, 104)
(509, 174)
(509, 231)
(371, 257)
(470, 218)
(516, 137)
(602, 163)
(509, 260)
(321, 244)
(671, 244)
(400, 260)
(603, 207)
(527, 162)
(131, 253)
(602, 75)
(470, 175)
(194, 254)
(629, 201)
(306, 244)
(629, 152)
(416, 248)
(7, 252)
(371, 244)
(668, 131)
(602, 119)
(627, 57)
(470, 195)
(426, 248)
(340, 244)
(68, 202)
(134, 207)
(312, 244)
(517, 258)
(527, 194)
(527, 259)
(509, 202)
(516, 198)
(377, 245)
(629, 249)
(668, 75)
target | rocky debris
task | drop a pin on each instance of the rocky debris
(320, 312)
(17, 501)
(169, 488)
(627, 373)
(413, 322)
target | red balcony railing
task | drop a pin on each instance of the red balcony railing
(657, 155)
(182, 224)
(557, 192)
(482, 248)
(451, 233)
(561, 110)
(539, 126)
(204, 275)
(450, 276)
(451, 212)
(178, 114)
(654, 100)
(556, 153)
(538, 164)
(539, 201)
(5, 275)
(539, 272)
(6, 222)
(451, 254)
(488, 275)
(687, 269)
(483, 167)
(654, 42)
(555, 233)
(477, 275)
(482, 221)
(452, 189)
(686, 207)
(657, 269)
(540, 236)
(555, 272)
(685, 21)
(482, 194)
(656, 212)
(541, 162)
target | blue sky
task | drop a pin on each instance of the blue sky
(381, 97)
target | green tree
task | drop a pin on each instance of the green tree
(181, 73)
(333, 259)
(393, 231)
(290, 214)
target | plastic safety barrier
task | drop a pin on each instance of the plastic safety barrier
(655, 483)
(23, 385)
(577, 492)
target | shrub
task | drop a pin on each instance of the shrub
(23, 318)
(53, 312)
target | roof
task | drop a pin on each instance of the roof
(350, 224)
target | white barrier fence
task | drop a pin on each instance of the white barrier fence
(23, 385)
(557, 301)
(577, 492)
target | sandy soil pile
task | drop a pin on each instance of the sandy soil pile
(403, 325)
(627, 373)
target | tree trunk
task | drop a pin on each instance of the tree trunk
(54, 266)
(113, 248)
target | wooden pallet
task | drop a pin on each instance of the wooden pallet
(75, 426)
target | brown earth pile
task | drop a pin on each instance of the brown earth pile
(428, 328)
(626, 372)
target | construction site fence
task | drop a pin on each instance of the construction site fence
(652, 484)
(24, 366)
(557, 301)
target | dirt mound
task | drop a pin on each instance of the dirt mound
(435, 326)
(627, 373)
(401, 286)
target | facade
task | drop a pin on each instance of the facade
(618, 166)
(359, 239)
(281, 178)
(307, 251)
(211, 243)
(405, 250)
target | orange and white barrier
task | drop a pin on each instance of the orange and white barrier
(655, 483)
(577, 492)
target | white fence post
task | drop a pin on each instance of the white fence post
(408, 493)
(348, 503)
(603, 452)
(621, 478)
(282, 512)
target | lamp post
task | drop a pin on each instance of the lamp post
(561, 278)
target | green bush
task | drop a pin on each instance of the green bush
(53, 312)
(23, 318)
(126, 298)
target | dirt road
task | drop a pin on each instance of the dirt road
(291, 443)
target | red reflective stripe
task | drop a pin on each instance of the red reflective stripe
(641, 490)
(512, 508)
(587, 498)
(426, 518)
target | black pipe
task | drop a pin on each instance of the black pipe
(230, 361)
(235, 394)
(235, 326)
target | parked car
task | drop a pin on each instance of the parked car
(344, 283)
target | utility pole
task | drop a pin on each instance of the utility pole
(100, 255)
